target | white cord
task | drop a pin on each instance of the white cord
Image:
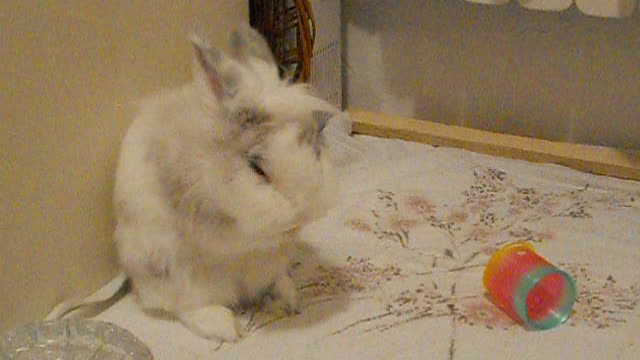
(101, 298)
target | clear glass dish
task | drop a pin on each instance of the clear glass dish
(72, 339)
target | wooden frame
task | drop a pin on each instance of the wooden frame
(281, 20)
(593, 159)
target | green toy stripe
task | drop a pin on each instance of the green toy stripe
(560, 314)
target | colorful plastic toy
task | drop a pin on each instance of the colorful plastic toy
(529, 288)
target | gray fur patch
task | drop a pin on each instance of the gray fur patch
(251, 117)
(312, 134)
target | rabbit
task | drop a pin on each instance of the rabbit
(213, 182)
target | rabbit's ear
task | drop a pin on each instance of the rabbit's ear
(219, 71)
(246, 43)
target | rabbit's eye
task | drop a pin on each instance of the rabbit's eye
(250, 117)
(255, 163)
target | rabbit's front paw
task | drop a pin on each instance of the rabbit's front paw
(279, 218)
(212, 322)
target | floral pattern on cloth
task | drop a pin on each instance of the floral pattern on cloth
(494, 212)
(491, 212)
(394, 271)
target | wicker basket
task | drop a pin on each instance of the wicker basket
(290, 30)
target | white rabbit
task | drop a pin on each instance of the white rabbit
(213, 181)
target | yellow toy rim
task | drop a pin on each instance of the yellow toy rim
(497, 257)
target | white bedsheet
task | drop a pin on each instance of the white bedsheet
(394, 270)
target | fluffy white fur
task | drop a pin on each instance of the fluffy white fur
(213, 181)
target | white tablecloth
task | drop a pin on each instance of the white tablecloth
(394, 270)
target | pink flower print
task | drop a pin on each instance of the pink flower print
(480, 234)
(547, 207)
(358, 275)
(396, 223)
(486, 314)
(545, 235)
(479, 206)
(488, 250)
(358, 225)
(420, 205)
(458, 216)
(514, 211)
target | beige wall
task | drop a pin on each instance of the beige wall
(69, 72)
(562, 76)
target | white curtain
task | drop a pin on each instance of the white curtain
(601, 8)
